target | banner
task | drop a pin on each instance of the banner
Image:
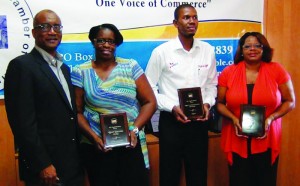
(144, 25)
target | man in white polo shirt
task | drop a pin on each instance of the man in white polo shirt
(183, 63)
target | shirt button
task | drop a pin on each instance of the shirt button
(73, 139)
(72, 118)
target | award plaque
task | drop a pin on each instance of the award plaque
(114, 128)
(190, 101)
(252, 120)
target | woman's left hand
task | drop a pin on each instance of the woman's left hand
(268, 122)
(133, 139)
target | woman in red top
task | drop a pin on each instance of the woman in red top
(253, 79)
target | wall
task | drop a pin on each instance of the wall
(7, 155)
(283, 33)
(280, 27)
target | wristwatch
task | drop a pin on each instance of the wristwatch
(136, 131)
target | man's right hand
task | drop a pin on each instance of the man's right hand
(179, 115)
(49, 176)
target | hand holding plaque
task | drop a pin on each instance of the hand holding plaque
(191, 103)
(114, 128)
(252, 120)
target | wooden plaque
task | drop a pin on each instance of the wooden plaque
(191, 103)
(114, 128)
(252, 120)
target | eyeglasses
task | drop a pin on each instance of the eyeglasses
(46, 27)
(256, 46)
(101, 41)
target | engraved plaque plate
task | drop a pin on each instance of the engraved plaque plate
(114, 128)
(252, 120)
(191, 103)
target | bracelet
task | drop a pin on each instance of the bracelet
(136, 131)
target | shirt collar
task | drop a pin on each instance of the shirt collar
(53, 61)
(178, 45)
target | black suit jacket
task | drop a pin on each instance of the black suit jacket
(43, 122)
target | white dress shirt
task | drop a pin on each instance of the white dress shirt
(171, 67)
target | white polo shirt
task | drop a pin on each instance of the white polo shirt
(171, 67)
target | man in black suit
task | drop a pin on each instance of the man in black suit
(41, 111)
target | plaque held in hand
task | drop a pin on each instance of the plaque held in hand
(114, 128)
(252, 120)
(191, 103)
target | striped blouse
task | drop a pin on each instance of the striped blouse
(114, 95)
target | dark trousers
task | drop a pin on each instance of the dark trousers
(256, 170)
(182, 144)
(76, 181)
(119, 167)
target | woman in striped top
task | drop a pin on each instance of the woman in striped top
(112, 85)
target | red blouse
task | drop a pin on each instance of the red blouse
(265, 93)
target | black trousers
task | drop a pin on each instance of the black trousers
(75, 181)
(256, 170)
(119, 167)
(182, 144)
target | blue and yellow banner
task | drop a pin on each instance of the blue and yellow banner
(144, 25)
